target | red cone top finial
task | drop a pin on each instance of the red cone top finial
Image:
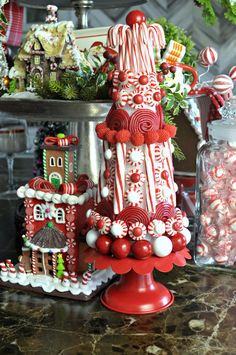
(135, 16)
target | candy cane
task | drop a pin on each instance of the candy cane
(150, 173)
(169, 167)
(86, 277)
(119, 177)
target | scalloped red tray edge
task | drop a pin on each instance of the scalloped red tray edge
(122, 266)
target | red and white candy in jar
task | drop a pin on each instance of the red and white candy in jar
(216, 192)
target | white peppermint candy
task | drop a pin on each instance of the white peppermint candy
(232, 73)
(208, 56)
(223, 84)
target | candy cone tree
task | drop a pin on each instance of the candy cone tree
(60, 266)
(136, 225)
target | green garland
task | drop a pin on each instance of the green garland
(209, 14)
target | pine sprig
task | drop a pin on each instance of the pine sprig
(178, 153)
(209, 14)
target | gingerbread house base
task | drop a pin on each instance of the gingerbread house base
(55, 287)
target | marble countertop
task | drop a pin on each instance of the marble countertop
(201, 321)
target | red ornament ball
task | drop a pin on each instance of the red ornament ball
(143, 80)
(164, 66)
(135, 16)
(160, 77)
(107, 174)
(100, 224)
(103, 244)
(165, 175)
(157, 96)
(138, 99)
(163, 93)
(178, 241)
(90, 221)
(115, 96)
(142, 249)
(135, 177)
(120, 248)
(172, 69)
(122, 76)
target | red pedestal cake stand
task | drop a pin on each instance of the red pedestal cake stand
(137, 292)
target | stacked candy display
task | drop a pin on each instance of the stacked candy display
(136, 225)
(216, 196)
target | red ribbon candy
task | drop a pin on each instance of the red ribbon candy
(62, 142)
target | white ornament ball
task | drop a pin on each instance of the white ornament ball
(172, 148)
(187, 234)
(159, 226)
(88, 213)
(162, 246)
(91, 238)
(185, 222)
(116, 229)
(108, 154)
(176, 187)
(105, 192)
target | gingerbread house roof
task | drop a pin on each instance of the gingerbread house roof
(49, 239)
(57, 40)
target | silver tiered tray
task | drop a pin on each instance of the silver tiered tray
(35, 110)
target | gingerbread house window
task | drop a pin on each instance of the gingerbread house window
(37, 46)
(52, 161)
(60, 215)
(37, 59)
(60, 162)
(38, 213)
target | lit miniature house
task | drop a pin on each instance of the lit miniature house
(48, 50)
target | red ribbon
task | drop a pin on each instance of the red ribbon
(62, 142)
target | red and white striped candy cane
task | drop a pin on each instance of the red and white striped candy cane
(119, 177)
(87, 275)
(168, 165)
(150, 173)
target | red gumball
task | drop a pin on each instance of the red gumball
(135, 177)
(103, 244)
(122, 76)
(143, 80)
(157, 96)
(120, 248)
(163, 93)
(90, 221)
(172, 69)
(107, 174)
(138, 99)
(165, 175)
(110, 76)
(135, 16)
(160, 77)
(100, 224)
(142, 249)
(178, 241)
(164, 66)
(115, 96)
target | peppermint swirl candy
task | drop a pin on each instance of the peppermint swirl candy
(118, 119)
(156, 228)
(134, 197)
(164, 211)
(135, 178)
(144, 120)
(137, 231)
(119, 228)
(106, 225)
(123, 97)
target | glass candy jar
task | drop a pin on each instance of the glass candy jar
(215, 227)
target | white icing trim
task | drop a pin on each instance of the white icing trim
(25, 191)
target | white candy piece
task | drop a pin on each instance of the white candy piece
(232, 202)
(88, 213)
(185, 222)
(91, 238)
(133, 197)
(108, 154)
(162, 246)
(176, 187)
(136, 156)
(159, 226)
(186, 234)
(233, 184)
(172, 148)
(202, 249)
(105, 192)
(116, 229)
(166, 192)
(232, 224)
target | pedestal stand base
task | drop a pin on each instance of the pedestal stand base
(137, 294)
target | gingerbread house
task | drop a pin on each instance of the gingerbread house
(48, 51)
(55, 208)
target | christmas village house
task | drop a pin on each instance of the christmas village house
(48, 51)
(55, 210)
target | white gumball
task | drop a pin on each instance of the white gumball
(105, 192)
(162, 246)
(187, 234)
(185, 222)
(108, 154)
(159, 226)
(88, 213)
(91, 238)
